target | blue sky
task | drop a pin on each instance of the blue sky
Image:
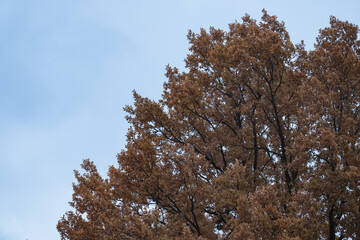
(67, 68)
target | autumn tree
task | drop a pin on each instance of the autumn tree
(258, 139)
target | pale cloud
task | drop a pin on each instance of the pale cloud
(37, 175)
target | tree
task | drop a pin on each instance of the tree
(258, 139)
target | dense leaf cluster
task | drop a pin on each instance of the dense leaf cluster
(258, 139)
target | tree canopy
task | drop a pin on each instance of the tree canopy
(258, 139)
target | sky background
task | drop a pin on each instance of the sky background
(67, 68)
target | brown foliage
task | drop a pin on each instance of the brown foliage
(259, 139)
